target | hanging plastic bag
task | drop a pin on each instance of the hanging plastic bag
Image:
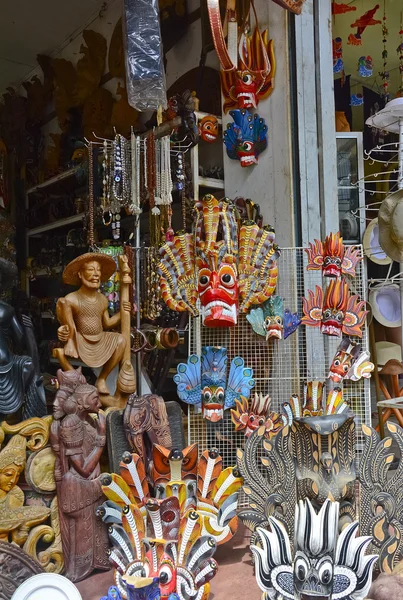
(145, 74)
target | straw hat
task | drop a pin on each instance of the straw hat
(70, 273)
(371, 245)
(385, 302)
(390, 218)
(386, 351)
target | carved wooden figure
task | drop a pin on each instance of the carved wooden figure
(78, 441)
(84, 320)
(145, 421)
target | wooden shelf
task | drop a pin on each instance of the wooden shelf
(55, 225)
(211, 182)
(53, 180)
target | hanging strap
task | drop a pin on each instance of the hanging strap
(219, 40)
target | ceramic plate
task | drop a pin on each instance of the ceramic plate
(47, 586)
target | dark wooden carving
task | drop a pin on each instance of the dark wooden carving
(78, 441)
(15, 567)
(118, 443)
(146, 423)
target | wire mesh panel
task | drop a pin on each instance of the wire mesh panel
(280, 367)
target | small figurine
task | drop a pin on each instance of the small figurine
(337, 313)
(246, 138)
(365, 66)
(84, 316)
(254, 79)
(332, 257)
(78, 441)
(324, 563)
(208, 129)
(350, 363)
(272, 321)
(362, 23)
(204, 382)
(249, 417)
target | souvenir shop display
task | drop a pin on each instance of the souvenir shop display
(192, 512)
(350, 362)
(145, 422)
(145, 73)
(367, 19)
(249, 415)
(202, 381)
(332, 257)
(365, 66)
(20, 378)
(208, 129)
(83, 315)
(29, 519)
(321, 563)
(246, 137)
(338, 64)
(252, 78)
(208, 264)
(336, 311)
(271, 320)
(78, 440)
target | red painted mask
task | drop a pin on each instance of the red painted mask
(340, 366)
(245, 89)
(167, 576)
(334, 308)
(218, 292)
(246, 154)
(208, 129)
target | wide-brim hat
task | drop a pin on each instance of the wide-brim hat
(371, 245)
(385, 303)
(386, 351)
(108, 267)
(390, 219)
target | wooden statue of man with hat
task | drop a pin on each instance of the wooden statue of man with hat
(85, 319)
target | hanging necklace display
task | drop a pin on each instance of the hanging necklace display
(385, 72)
(91, 234)
(252, 79)
(134, 207)
(107, 185)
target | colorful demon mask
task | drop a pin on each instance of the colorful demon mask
(249, 416)
(324, 565)
(246, 138)
(207, 264)
(337, 313)
(208, 129)
(203, 382)
(271, 320)
(254, 80)
(350, 363)
(195, 510)
(332, 257)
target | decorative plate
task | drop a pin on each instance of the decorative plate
(47, 586)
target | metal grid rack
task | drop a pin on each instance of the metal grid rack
(280, 366)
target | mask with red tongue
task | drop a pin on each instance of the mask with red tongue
(218, 292)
